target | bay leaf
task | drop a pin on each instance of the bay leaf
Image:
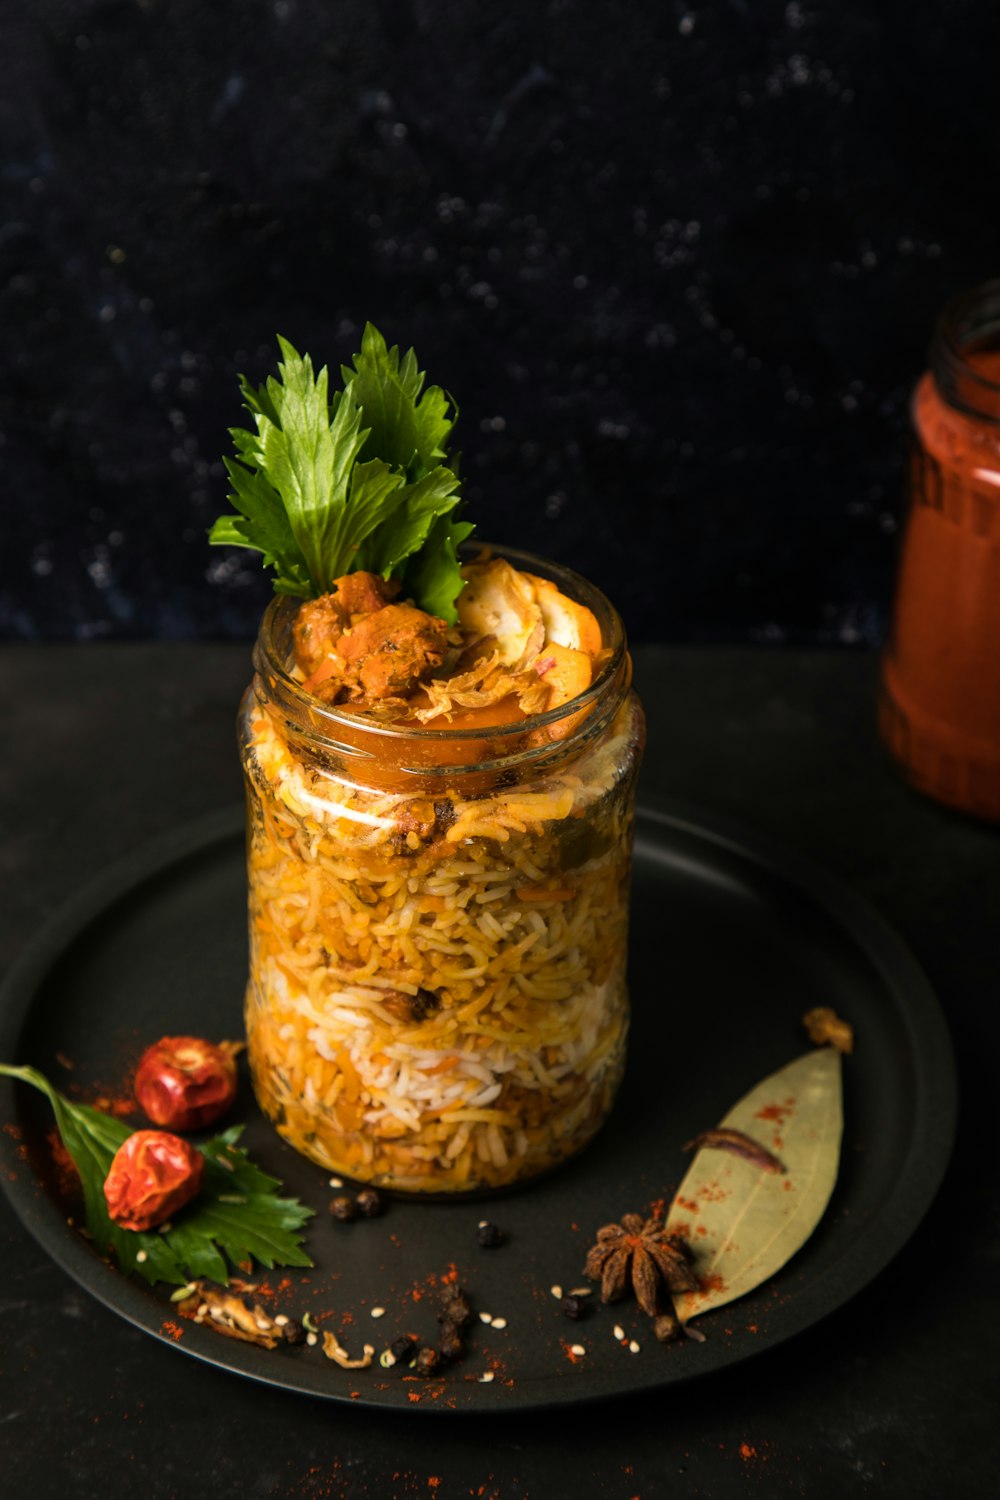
(743, 1223)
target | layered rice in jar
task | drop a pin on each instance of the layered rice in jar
(438, 878)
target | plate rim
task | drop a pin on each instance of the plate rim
(930, 1143)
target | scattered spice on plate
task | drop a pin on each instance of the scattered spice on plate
(489, 1235)
(639, 1254)
(369, 1203)
(226, 1313)
(343, 1208)
(825, 1027)
(333, 1349)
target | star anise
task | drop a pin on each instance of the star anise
(641, 1252)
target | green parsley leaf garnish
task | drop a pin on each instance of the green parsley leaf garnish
(330, 483)
(236, 1216)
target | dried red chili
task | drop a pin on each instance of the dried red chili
(185, 1082)
(152, 1176)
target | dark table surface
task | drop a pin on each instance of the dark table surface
(107, 746)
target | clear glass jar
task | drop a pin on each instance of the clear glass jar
(437, 999)
(939, 708)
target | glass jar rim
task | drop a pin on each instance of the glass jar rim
(965, 324)
(327, 723)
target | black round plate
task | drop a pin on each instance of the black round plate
(732, 941)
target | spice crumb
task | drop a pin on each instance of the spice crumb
(577, 1349)
(633, 1347)
(556, 1292)
(378, 1312)
(499, 1323)
(485, 1317)
(486, 1377)
(618, 1332)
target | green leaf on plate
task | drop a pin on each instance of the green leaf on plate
(237, 1215)
(743, 1223)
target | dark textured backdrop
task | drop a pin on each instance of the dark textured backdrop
(678, 261)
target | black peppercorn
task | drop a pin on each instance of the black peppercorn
(428, 1360)
(451, 1341)
(292, 1332)
(369, 1203)
(455, 1308)
(343, 1208)
(489, 1236)
(574, 1307)
(402, 1349)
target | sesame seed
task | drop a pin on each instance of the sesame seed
(582, 1291)
(577, 1349)
(311, 1340)
(486, 1377)
(499, 1323)
(141, 1256)
(378, 1312)
(280, 1321)
(483, 1223)
(618, 1332)
(336, 1182)
(486, 1317)
(556, 1292)
(633, 1347)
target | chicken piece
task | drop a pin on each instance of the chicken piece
(387, 653)
(498, 601)
(321, 622)
(317, 629)
(567, 623)
(363, 593)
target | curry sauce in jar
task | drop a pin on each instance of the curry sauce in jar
(439, 883)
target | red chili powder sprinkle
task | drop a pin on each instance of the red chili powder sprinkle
(574, 1359)
(433, 1480)
(67, 1177)
(284, 1284)
(775, 1112)
(414, 1395)
(119, 1105)
(14, 1131)
(748, 1451)
(172, 1330)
